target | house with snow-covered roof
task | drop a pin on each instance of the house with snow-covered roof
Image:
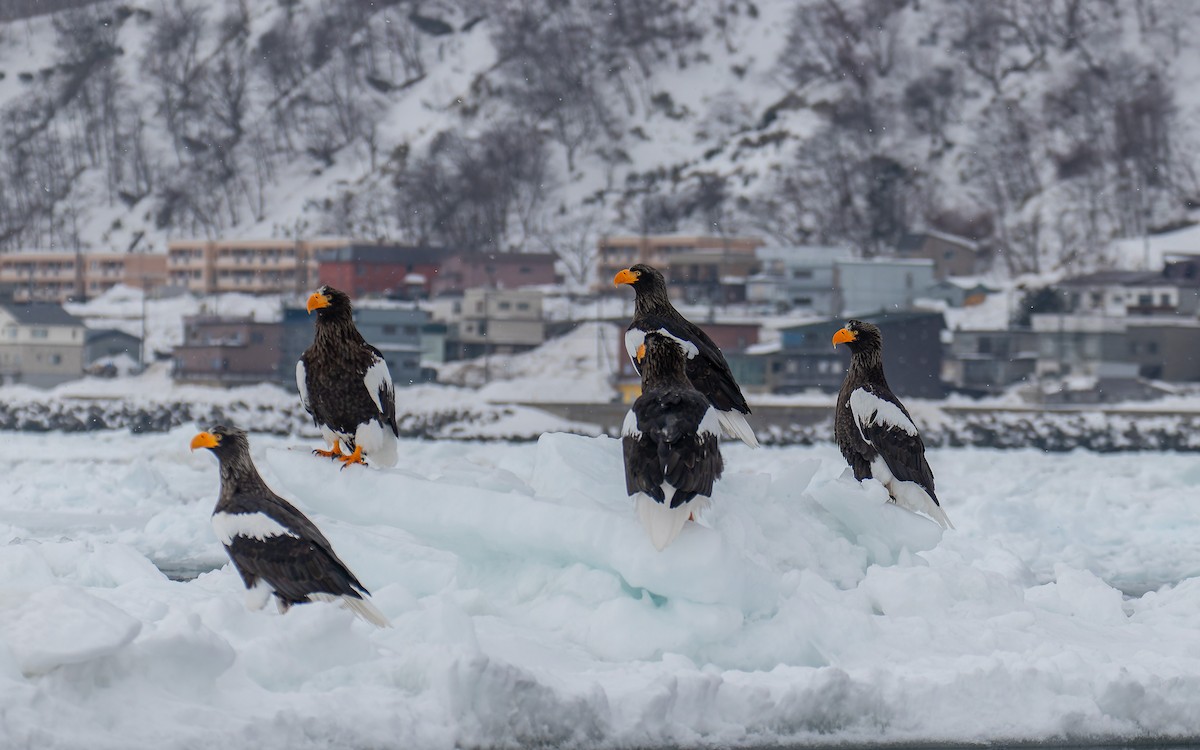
(1175, 290)
(41, 344)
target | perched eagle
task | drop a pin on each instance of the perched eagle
(274, 547)
(706, 366)
(345, 385)
(874, 430)
(670, 442)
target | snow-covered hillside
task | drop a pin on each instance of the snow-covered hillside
(1041, 129)
(530, 609)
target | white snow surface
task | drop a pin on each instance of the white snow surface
(579, 366)
(529, 608)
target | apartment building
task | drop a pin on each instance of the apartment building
(660, 251)
(279, 266)
(60, 275)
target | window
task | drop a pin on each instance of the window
(522, 305)
(1152, 347)
(39, 333)
(505, 305)
(256, 337)
(1165, 300)
(985, 346)
(410, 330)
(388, 330)
(1145, 300)
(56, 359)
(802, 274)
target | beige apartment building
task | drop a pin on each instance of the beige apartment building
(280, 266)
(59, 275)
(660, 251)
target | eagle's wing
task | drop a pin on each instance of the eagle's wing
(692, 460)
(643, 470)
(883, 422)
(302, 384)
(378, 381)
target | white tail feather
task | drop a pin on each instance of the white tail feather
(735, 425)
(378, 443)
(662, 523)
(914, 497)
(361, 607)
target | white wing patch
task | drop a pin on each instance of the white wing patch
(377, 379)
(302, 383)
(711, 424)
(869, 409)
(630, 427)
(635, 337)
(258, 526)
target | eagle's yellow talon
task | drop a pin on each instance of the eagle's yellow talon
(335, 452)
(353, 458)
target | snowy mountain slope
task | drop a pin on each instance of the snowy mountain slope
(1043, 130)
(530, 609)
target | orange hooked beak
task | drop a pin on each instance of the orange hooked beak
(625, 276)
(316, 301)
(843, 336)
(641, 352)
(205, 440)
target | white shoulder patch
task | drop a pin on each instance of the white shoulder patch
(634, 338)
(711, 424)
(302, 383)
(690, 349)
(258, 526)
(869, 409)
(630, 427)
(377, 380)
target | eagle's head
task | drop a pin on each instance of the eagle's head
(860, 336)
(642, 278)
(329, 303)
(225, 442)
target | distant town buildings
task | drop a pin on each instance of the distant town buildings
(280, 266)
(497, 321)
(464, 271)
(396, 271)
(58, 276)
(704, 262)
(40, 343)
(229, 350)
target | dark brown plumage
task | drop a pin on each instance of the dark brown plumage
(875, 432)
(273, 546)
(345, 385)
(706, 367)
(670, 443)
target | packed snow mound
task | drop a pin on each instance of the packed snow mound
(578, 366)
(529, 608)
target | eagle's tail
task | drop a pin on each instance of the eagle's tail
(360, 606)
(662, 522)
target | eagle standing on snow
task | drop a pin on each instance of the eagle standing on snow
(274, 547)
(874, 430)
(345, 385)
(670, 443)
(706, 366)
